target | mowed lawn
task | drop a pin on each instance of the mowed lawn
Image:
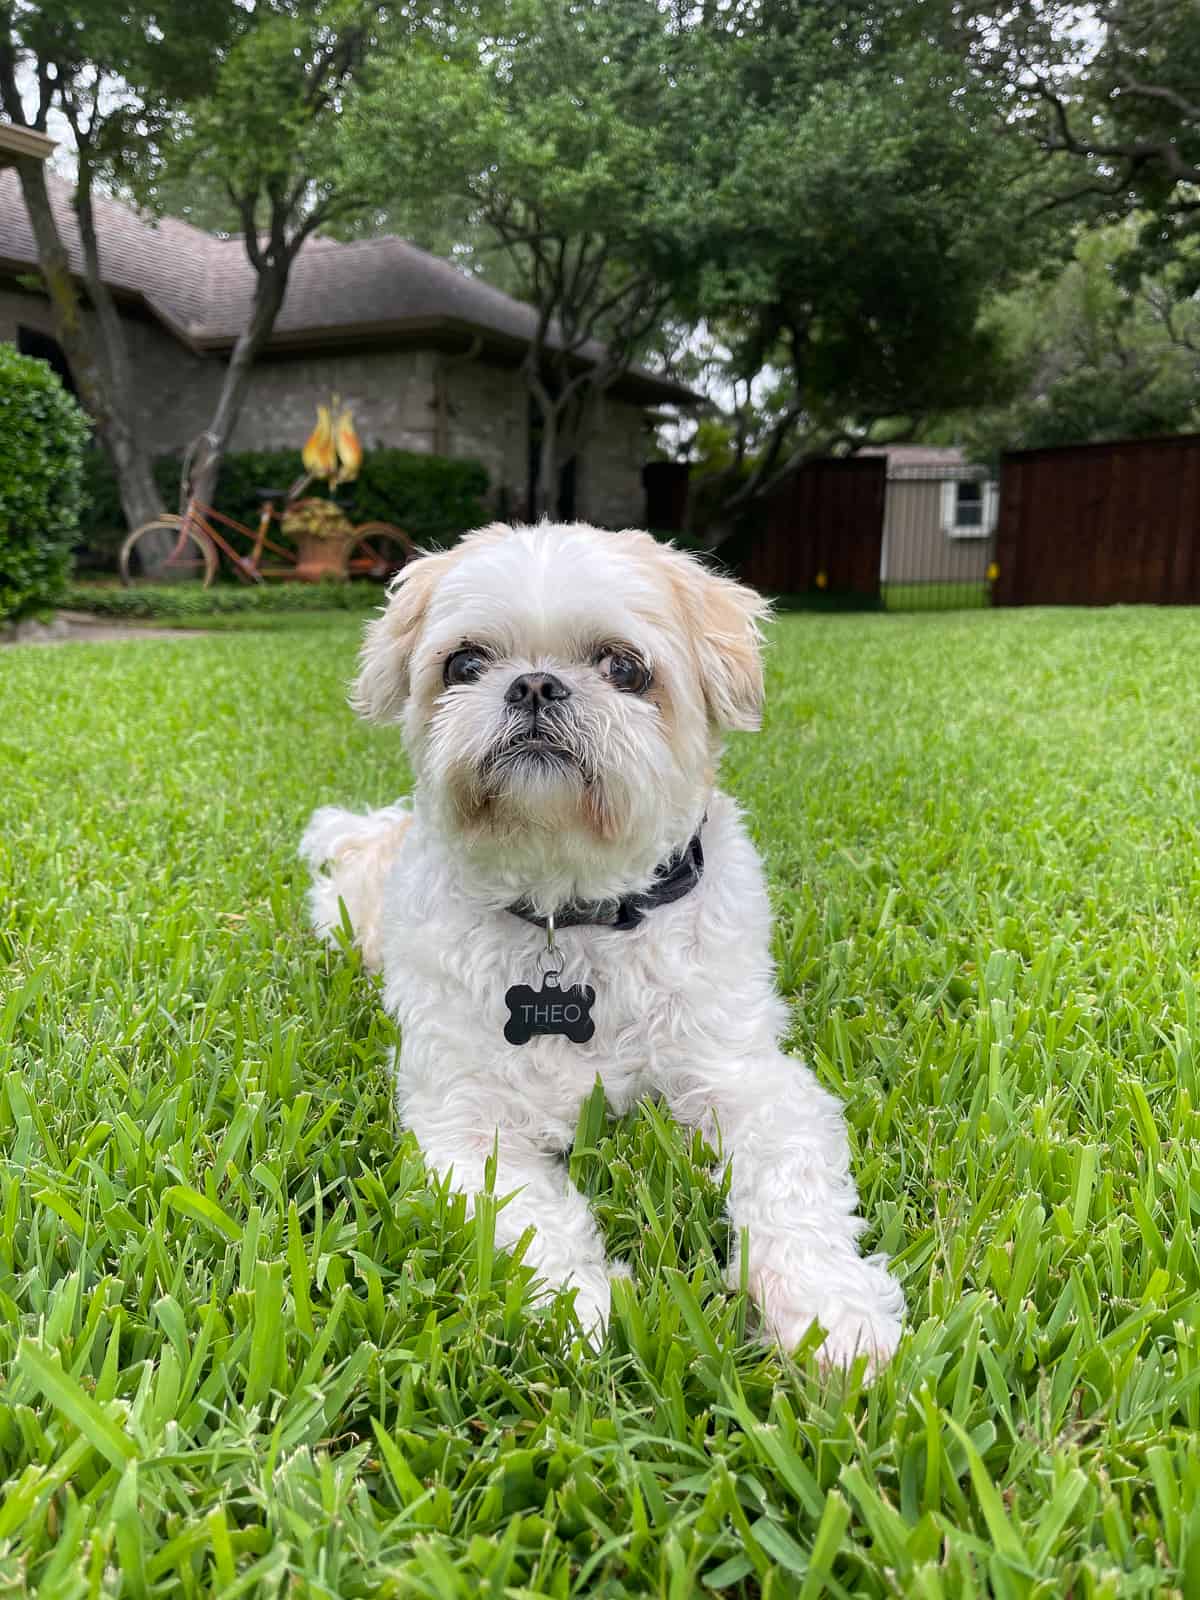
(247, 1349)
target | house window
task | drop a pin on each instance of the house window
(968, 508)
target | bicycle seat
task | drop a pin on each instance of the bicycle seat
(270, 494)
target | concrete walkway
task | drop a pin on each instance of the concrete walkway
(81, 627)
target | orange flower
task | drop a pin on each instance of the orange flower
(349, 450)
(319, 455)
(822, 580)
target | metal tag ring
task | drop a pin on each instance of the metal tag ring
(550, 962)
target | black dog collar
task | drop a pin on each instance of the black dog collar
(673, 878)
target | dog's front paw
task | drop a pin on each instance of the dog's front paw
(856, 1333)
(861, 1316)
(593, 1297)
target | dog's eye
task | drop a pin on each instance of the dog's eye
(464, 666)
(624, 672)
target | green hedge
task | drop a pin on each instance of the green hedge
(190, 600)
(433, 498)
(42, 438)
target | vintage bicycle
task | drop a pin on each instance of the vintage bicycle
(199, 542)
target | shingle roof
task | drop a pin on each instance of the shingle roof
(202, 287)
(917, 455)
(925, 461)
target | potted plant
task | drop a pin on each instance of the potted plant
(323, 533)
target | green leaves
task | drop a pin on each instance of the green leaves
(1097, 350)
(42, 437)
(1110, 106)
(79, 1409)
(190, 1203)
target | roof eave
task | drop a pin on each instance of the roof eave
(16, 142)
(409, 329)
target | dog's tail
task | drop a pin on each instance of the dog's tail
(349, 855)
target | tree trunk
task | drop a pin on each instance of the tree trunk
(579, 409)
(140, 499)
(576, 409)
(546, 489)
(269, 290)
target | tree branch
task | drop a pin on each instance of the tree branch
(10, 97)
(1135, 151)
(1170, 97)
(245, 201)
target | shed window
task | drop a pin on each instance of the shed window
(968, 508)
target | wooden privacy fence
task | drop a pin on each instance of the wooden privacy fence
(824, 531)
(1101, 524)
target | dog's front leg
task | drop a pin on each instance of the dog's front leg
(566, 1250)
(791, 1190)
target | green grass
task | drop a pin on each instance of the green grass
(948, 596)
(943, 596)
(247, 1349)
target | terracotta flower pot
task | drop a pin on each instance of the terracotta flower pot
(323, 537)
(324, 556)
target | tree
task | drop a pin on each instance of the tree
(550, 125)
(1098, 359)
(859, 214)
(241, 105)
(116, 77)
(1110, 92)
(818, 184)
(267, 131)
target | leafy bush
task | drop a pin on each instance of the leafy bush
(42, 437)
(190, 600)
(432, 498)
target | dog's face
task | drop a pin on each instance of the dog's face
(564, 689)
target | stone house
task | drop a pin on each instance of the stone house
(427, 357)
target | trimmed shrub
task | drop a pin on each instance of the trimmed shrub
(432, 498)
(42, 439)
(223, 599)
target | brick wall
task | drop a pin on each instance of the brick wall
(610, 469)
(488, 418)
(389, 391)
(174, 391)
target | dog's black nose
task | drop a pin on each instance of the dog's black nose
(533, 689)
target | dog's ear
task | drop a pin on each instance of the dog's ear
(726, 621)
(382, 685)
(731, 651)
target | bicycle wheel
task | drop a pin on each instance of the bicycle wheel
(366, 560)
(191, 554)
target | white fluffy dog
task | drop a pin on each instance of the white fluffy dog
(563, 694)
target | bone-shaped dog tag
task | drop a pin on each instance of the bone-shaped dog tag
(549, 1010)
